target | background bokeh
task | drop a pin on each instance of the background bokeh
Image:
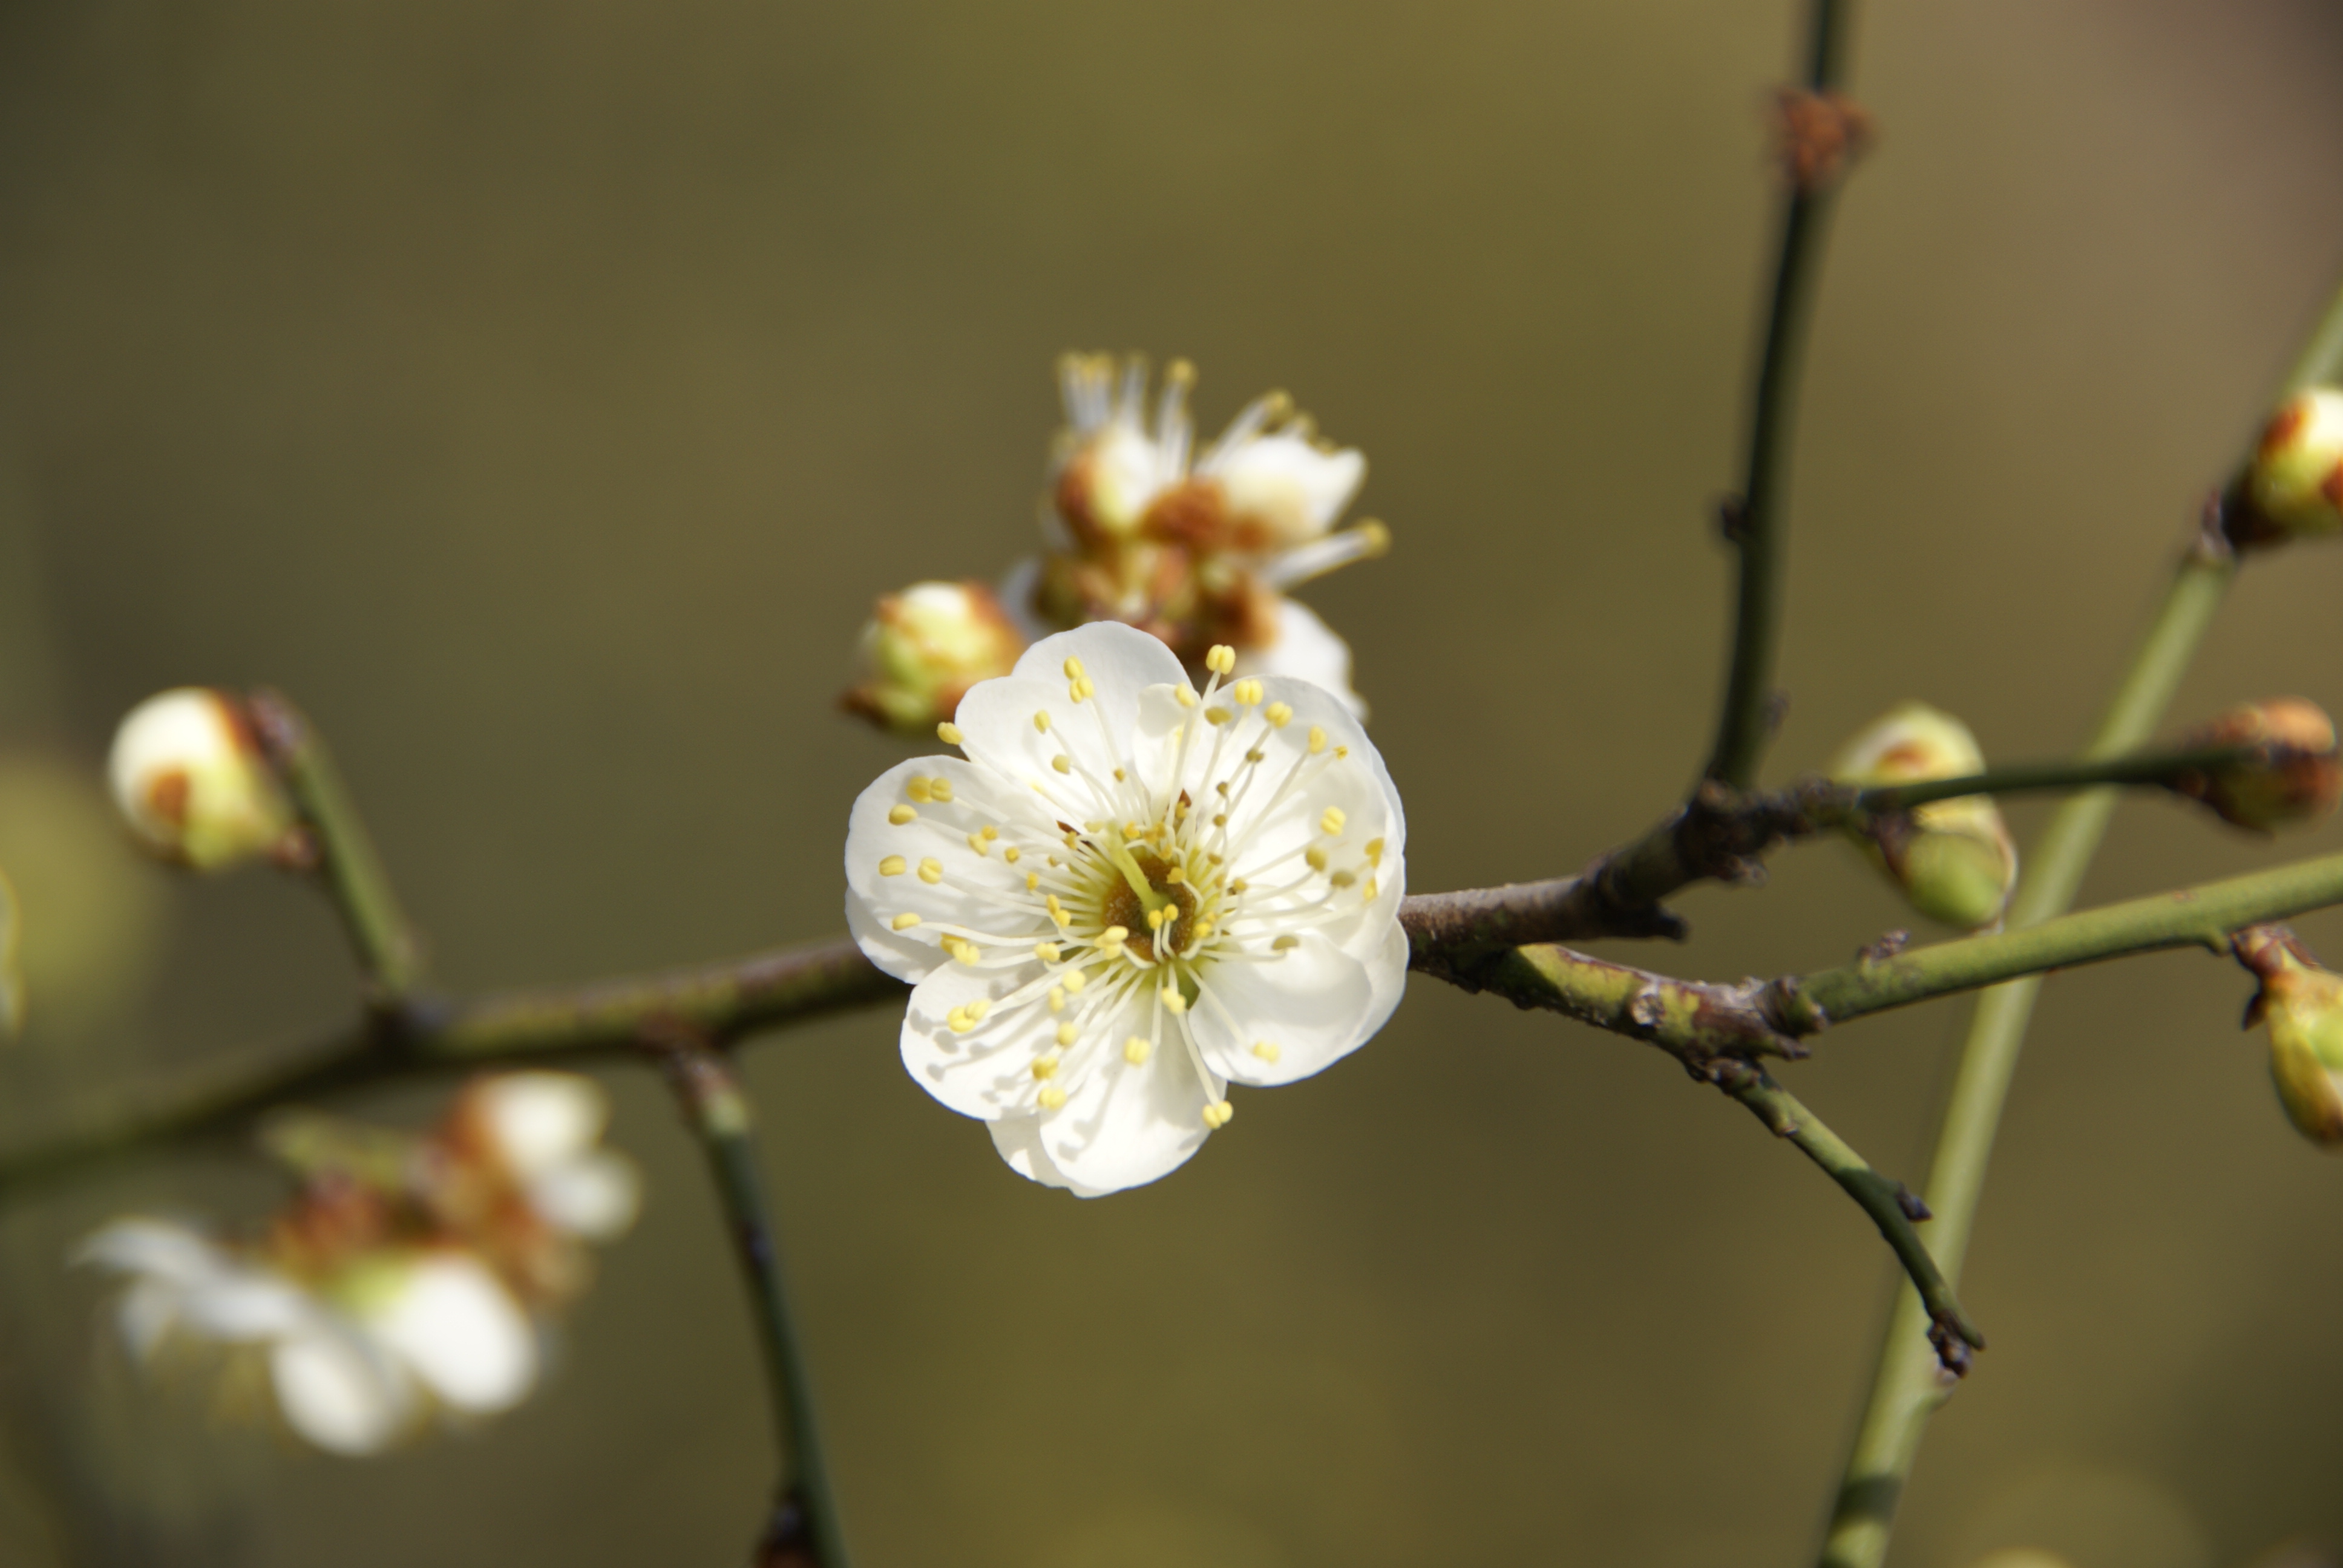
(540, 392)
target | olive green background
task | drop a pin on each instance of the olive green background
(541, 392)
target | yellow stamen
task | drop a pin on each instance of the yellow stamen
(1185, 696)
(976, 842)
(1075, 980)
(1051, 1097)
(1278, 714)
(948, 733)
(1012, 854)
(1217, 1115)
(1046, 951)
(932, 871)
(1062, 763)
(1172, 1000)
(1375, 851)
(1330, 821)
(1137, 1049)
(1074, 667)
(893, 866)
(899, 815)
(1314, 857)
(1041, 722)
(917, 789)
(1045, 1066)
(1317, 740)
(1216, 717)
(1266, 1049)
(1057, 998)
(1285, 943)
(942, 789)
(1221, 659)
(1246, 694)
(1066, 1034)
(906, 921)
(1114, 936)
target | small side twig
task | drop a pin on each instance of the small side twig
(1891, 1205)
(803, 1529)
(339, 850)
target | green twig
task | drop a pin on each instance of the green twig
(2160, 768)
(1744, 725)
(345, 857)
(1890, 1205)
(804, 1526)
(1905, 1389)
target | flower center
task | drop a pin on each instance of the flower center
(1168, 917)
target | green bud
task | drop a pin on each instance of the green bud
(924, 647)
(1953, 859)
(190, 779)
(2296, 482)
(2296, 777)
(2302, 1003)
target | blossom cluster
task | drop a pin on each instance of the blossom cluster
(411, 1279)
(1198, 547)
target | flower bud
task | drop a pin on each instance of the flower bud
(1953, 859)
(924, 647)
(2295, 776)
(2303, 1005)
(2296, 481)
(192, 783)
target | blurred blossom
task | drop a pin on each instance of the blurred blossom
(1954, 858)
(2296, 480)
(2298, 779)
(190, 780)
(1129, 896)
(924, 647)
(1195, 548)
(409, 1276)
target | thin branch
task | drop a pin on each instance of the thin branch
(1890, 1205)
(1904, 1390)
(803, 1532)
(1744, 723)
(344, 855)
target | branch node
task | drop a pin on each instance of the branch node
(1914, 1208)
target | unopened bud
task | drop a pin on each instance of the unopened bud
(2295, 773)
(2302, 1003)
(1954, 858)
(192, 783)
(2296, 481)
(924, 647)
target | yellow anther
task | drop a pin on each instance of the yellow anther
(1114, 936)
(1051, 1097)
(1117, 776)
(948, 733)
(1331, 820)
(905, 921)
(1285, 944)
(979, 1008)
(1032, 878)
(1266, 1049)
(1256, 755)
(1137, 1049)
(1175, 876)
(1343, 879)
(967, 952)
(918, 790)
(1061, 917)
(992, 833)
(1317, 740)
(1074, 667)
(1075, 980)
(1056, 909)
(1218, 1113)
(893, 866)
(1185, 696)
(1172, 1000)
(1012, 854)
(1057, 998)
(1314, 857)
(958, 1021)
(1155, 919)
(1202, 929)
(1223, 789)
(1216, 715)
(1375, 851)
(932, 871)
(976, 842)
(899, 815)
(1221, 659)
(1278, 714)
(1066, 1034)
(1240, 886)
(1062, 763)
(1045, 1066)
(1219, 819)
(1340, 752)
(1041, 722)
(942, 789)
(1368, 892)
(1046, 951)
(1246, 694)
(1082, 689)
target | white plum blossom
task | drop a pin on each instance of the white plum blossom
(1129, 896)
(356, 1363)
(546, 1128)
(190, 780)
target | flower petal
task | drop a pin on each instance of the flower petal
(986, 1071)
(1290, 486)
(1121, 660)
(1311, 1006)
(338, 1394)
(461, 1332)
(540, 1120)
(596, 1197)
(1127, 1124)
(1306, 649)
(887, 880)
